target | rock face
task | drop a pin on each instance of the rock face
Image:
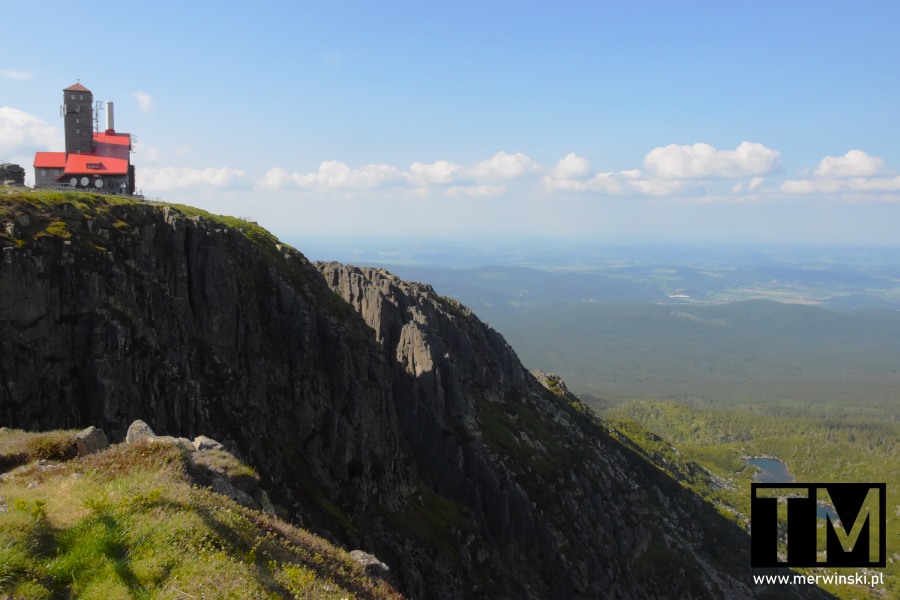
(113, 312)
(550, 501)
(382, 416)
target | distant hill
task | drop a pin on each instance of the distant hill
(752, 352)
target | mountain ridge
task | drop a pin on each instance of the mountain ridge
(381, 415)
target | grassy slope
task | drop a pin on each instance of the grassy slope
(129, 523)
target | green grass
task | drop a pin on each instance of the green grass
(19, 447)
(130, 523)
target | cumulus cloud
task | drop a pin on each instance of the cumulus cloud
(333, 174)
(164, 179)
(703, 161)
(145, 101)
(573, 173)
(504, 166)
(700, 170)
(570, 167)
(455, 180)
(854, 163)
(856, 172)
(12, 74)
(22, 133)
(442, 172)
(842, 185)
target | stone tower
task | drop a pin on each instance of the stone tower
(78, 113)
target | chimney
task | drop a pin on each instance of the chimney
(110, 118)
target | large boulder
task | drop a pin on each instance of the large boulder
(370, 563)
(139, 431)
(90, 440)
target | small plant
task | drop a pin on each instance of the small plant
(58, 229)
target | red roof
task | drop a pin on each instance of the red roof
(113, 138)
(49, 160)
(76, 88)
(89, 164)
(113, 145)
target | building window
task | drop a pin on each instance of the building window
(73, 96)
(77, 131)
(77, 120)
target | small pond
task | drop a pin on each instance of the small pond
(772, 470)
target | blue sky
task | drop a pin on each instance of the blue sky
(601, 121)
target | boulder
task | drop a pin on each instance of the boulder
(222, 486)
(139, 431)
(201, 442)
(370, 563)
(265, 504)
(183, 443)
(90, 440)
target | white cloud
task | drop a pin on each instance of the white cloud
(275, 178)
(442, 172)
(145, 101)
(504, 166)
(856, 172)
(22, 134)
(334, 174)
(703, 161)
(476, 180)
(12, 74)
(571, 166)
(573, 173)
(854, 163)
(842, 185)
(164, 179)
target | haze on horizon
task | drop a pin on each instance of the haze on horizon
(618, 122)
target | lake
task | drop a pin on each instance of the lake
(772, 470)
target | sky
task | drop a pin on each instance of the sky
(621, 122)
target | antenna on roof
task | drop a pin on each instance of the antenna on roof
(98, 106)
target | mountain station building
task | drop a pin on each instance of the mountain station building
(92, 160)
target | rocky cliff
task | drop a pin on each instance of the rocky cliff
(378, 413)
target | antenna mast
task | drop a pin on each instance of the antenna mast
(98, 106)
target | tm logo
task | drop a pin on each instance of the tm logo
(854, 533)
